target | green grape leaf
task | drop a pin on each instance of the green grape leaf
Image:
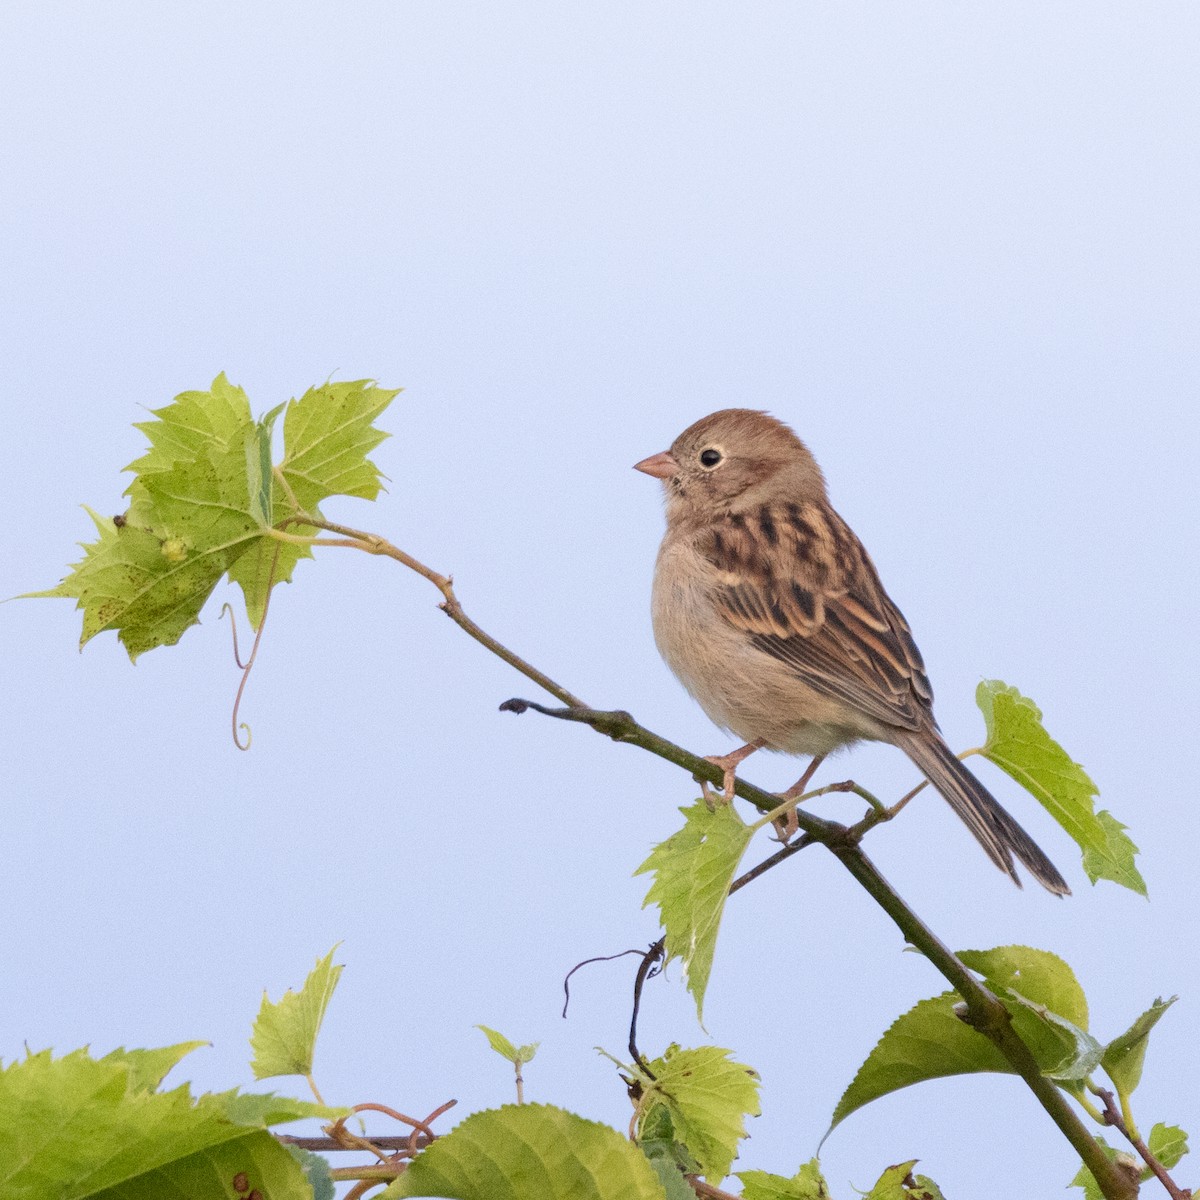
(499, 1043)
(1019, 745)
(316, 1171)
(190, 517)
(807, 1184)
(708, 1098)
(517, 1055)
(327, 435)
(285, 1032)
(931, 1042)
(1168, 1143)
(268, 561)
(148, 1068)
(526, 1150)
(898, 1183)
(1125, 1055)
(692, 870)
(203, 502)
(662, 1157)
(145, 587)
(191, 424)
(262, 1109)
(925, 1189)
(656, 1137)
(79, 1127)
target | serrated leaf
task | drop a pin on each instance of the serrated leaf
(193, 421)
(662, 1158)
(1039, 975)
(79, 1127)
(285, 1033)
(1112, 855)
(708, 1097)
(1047, 1005)
(132, 581)
(522, 1151)
(259, 472)
(327, 436)
(692, 870)
(899, 1183)
(208, 499)
(927, 1042)
(263, 1109)
(316, 1171)
(807, 1184)
(148, 1068)
(1168, 1143)
(499, 1043)
(1125, 1055)
(931, 1042)
(203, 500)
(190, 517)
(656, 1137)
(1081, 1053)
(1019, 745)
(517, 1055)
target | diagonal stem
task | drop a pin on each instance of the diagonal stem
(983, 1011)
(1119, 1119)
(372, 543)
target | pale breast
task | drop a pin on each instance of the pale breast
(740, 688)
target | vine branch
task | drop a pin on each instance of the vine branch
(1118, 1118)
(983, 1011)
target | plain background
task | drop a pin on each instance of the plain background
(955, 245)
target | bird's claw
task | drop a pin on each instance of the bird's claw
(786, 827)
(728, 781)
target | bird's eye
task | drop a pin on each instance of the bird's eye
(709, 458)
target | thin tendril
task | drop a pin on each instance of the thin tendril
(587, 962)
(237, 703)
(228, 608)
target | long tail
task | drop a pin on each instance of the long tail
(997, 832)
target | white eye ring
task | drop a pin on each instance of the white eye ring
(711, 457)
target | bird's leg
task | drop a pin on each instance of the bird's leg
(786, 826)
(729, 764)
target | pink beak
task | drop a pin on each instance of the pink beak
(661, 466)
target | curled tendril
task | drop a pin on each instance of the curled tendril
(239, 727)
(587, 962)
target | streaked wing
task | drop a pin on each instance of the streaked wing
(796, 579)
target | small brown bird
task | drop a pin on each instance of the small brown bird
(770, 612)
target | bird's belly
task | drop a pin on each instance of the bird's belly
(741, 688)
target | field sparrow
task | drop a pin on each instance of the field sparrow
(770, 612)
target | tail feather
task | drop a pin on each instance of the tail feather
(995, 830)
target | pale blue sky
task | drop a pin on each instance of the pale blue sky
(956, 246)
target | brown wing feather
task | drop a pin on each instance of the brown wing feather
(796, 578)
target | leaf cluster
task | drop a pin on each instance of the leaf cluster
(77, 1127)
(207, 500)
